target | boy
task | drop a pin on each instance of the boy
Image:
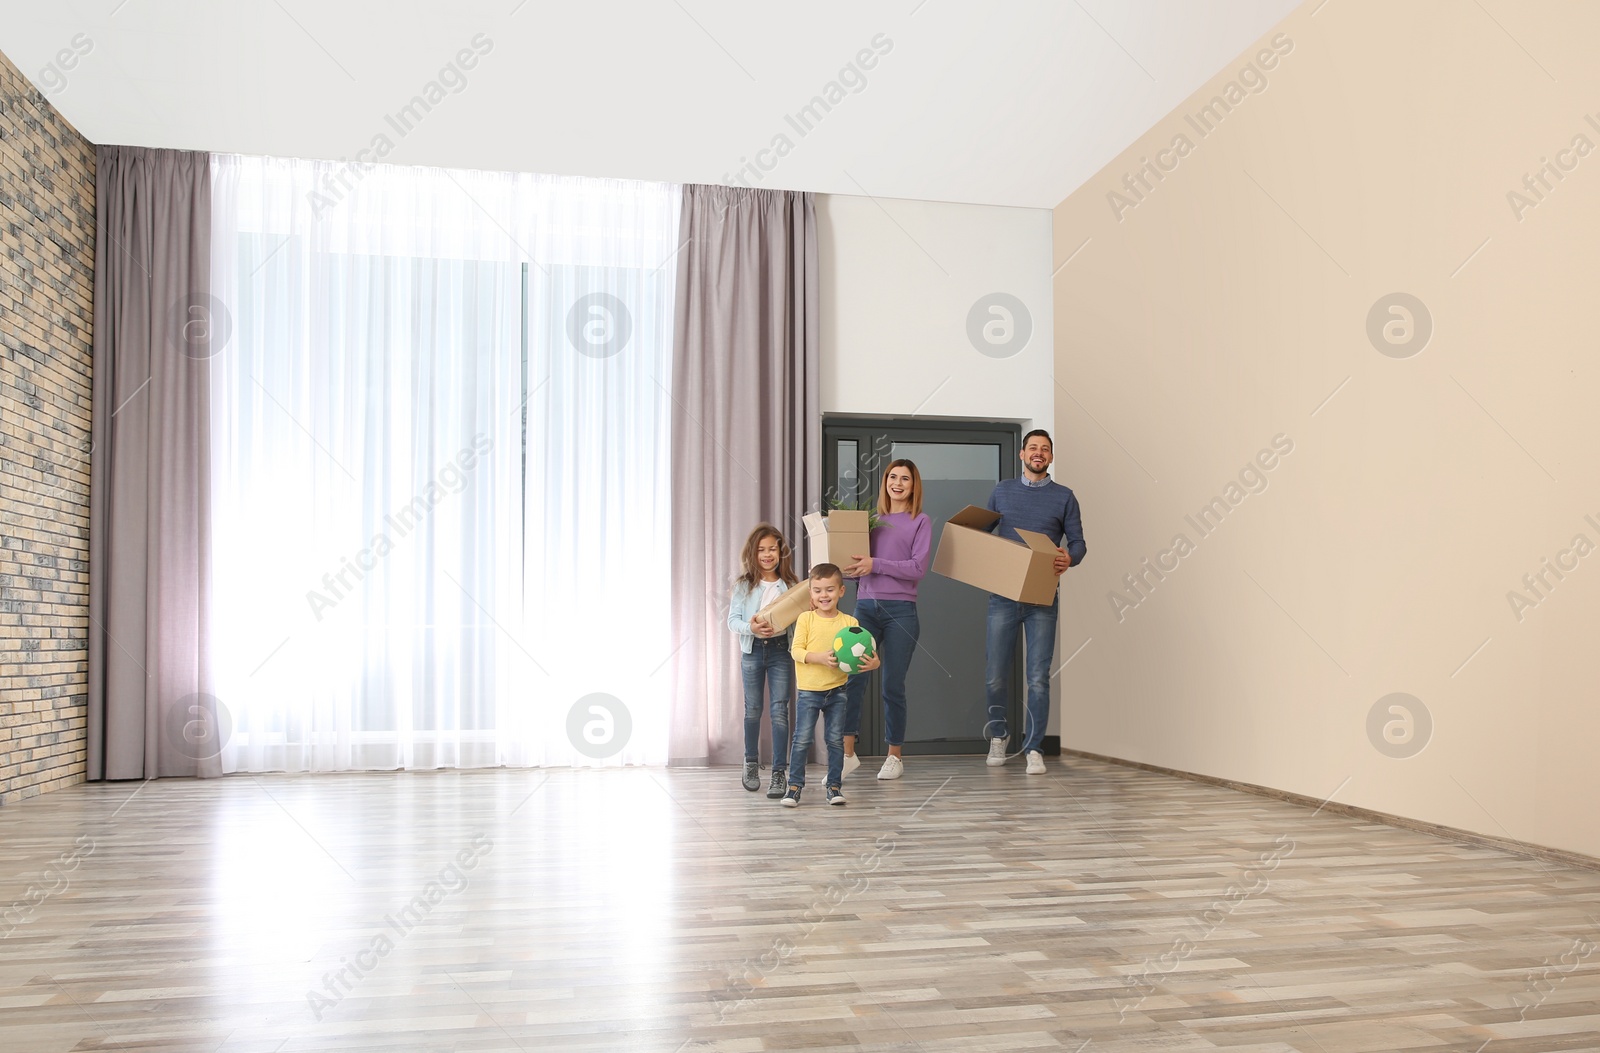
(820, 683)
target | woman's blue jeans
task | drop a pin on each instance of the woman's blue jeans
(894, 626)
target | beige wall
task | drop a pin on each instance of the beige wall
(46, 321)
(1226, 306)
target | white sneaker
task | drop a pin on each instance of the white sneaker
(1035, 762)
(851, 763)
(997, 752)
(892, 768)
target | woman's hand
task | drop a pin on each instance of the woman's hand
(859, 565)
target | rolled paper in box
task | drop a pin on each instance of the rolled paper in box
(838, 537)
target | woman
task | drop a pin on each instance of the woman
(886, 606)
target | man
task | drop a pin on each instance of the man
(1038, 503)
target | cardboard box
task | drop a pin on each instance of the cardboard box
(839, 537)
(969, 553)
(786, 609)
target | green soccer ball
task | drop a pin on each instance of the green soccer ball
(852, 646)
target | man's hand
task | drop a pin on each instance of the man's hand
(1063, 561)
(859, 565)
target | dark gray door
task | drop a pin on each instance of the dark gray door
(959, 464)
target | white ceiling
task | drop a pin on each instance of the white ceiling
(1009, 102)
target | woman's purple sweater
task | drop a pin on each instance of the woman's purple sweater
(901, 546)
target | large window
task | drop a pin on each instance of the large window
(440, 424)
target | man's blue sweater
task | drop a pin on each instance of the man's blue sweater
(1047, 508)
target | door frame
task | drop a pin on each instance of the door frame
(875, 438)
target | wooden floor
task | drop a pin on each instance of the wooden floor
(1097, 908)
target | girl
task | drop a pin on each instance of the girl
(765, 575)
(886, 606)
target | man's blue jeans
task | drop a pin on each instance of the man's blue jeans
(830, 706)
(893, 624)
(1038, 625)
(768, 664)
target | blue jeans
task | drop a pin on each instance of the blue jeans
(893, 624)
(830, 706)
(768, 661)
(1038, 625)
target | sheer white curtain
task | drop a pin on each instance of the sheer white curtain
(440, 423)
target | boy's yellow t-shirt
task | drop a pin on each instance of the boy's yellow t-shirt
(812, 633)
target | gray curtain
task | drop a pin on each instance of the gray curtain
(151, 711)
(746, 431)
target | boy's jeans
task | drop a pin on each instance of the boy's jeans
(769, 662)
(830, 706)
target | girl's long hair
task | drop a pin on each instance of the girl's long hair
(916, 487)
(750, 570)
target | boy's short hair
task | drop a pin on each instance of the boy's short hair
(823, 571)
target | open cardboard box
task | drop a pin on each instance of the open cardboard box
(838, 537)
(786, 609)
(970, 554)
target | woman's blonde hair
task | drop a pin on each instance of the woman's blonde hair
(916, 487)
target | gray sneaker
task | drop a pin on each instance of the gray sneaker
(752, 776)
(780, 783)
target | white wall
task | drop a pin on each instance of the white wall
(899, 280)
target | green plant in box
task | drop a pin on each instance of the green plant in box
(874, 521)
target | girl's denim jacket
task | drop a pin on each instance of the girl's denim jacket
(746, 603)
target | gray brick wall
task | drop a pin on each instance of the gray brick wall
(47, 234)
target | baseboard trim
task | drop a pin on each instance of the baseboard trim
(1449, 833)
